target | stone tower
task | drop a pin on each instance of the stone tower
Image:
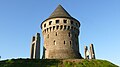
(35, 47)
(60, 32)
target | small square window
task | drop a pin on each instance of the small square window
(57, 27)
(70, 42)
(76, 24)
(65, 21)
(64, 27)
(68, 27)
(47, 29)
(72, 28)
(64, 42)
(57, 21)
(61, 27)
(53, 27)
(56, 33)
(71, 22)
(44, 25)
(50, 22)
(50, 28)
(54, 42)
(69, 34)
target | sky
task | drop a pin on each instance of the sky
(100, 25)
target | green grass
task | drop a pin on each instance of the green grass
(90, 63)
(55, 63)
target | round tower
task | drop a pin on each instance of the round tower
(60, 32)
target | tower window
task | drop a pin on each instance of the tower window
(76, 24)
(56, 34)
(57, 27)
(68, 27)
(50, 22)
(53, 27)
(69, 34)
(64, 42)
(61, 27)
(72, 27)
(54, 42)
(44, 25)
(70, 43)
(65, 21)
(71, 22)
(57, 21)
(64, 27)
(50, 28)
(47, 29)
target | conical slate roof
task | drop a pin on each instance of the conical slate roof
(60, 12)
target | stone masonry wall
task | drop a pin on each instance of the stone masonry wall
(61, 38)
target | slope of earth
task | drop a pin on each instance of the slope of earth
(55, 63)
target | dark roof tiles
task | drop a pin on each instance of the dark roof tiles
(60, 12)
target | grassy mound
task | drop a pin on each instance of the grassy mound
(55, 63)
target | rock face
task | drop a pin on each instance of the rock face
(60, 32)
